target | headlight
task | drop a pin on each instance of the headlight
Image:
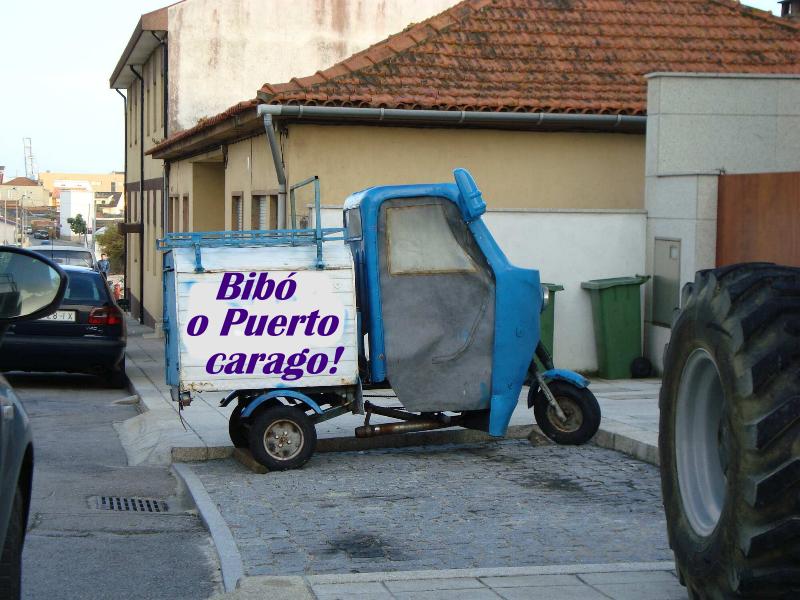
(545, 297)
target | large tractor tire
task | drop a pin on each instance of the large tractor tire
(729, 438)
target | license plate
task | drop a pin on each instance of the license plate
(60, 315)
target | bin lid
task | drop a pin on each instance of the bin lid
(553, 287)
(602, 284)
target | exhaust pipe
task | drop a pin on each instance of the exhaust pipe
(390, 428)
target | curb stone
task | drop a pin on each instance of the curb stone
(230, 561)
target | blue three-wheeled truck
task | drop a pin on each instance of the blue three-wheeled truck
(413, 293)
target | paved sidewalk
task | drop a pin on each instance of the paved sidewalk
(160, 436)
(625, 581)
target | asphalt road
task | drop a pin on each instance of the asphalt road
(73, 549)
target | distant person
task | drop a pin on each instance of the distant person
(104, 265)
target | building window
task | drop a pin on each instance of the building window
(258, 218)
(185, 212)
(171, 208)
(236, 212)
(273, 212)
(113, 186)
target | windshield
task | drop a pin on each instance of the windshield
(84, 288)
(79, 258)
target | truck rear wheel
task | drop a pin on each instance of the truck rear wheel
(282, 437)
(236, 428)
(729, 430)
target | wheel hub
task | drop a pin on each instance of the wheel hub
(283, 439)
(701, 442)
(572, 413)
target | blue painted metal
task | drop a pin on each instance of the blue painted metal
(517, 293)
(564, 375)
(198, 259)
(278, 394)
(245, 239)
(170, 318)
(318, 214)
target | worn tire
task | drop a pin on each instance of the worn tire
(297, 425)
(571, 399)
(116, 378)
(731, 480)
(236, 429)
(11, 557)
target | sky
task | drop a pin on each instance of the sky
(57, 57)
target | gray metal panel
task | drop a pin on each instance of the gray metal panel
(438, 327)
(666, 280)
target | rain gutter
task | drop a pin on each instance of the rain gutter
(544, 120)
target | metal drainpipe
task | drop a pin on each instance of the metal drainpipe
(165, 106)
(141, 193)
(125, 191)
(277, 159)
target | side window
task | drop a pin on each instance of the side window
(420, 242)
(352, 224)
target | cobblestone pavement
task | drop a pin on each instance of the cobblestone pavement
(477, 506)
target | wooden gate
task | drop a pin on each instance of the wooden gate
(758, 218)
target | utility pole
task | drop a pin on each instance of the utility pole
(5, 215)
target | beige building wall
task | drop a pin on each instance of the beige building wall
(30, 195)
(236, 46)
(249, 172)
(515, 169)
(208, 201)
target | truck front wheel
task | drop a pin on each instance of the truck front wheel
(730, 422)
(580, 408)
(282, 437)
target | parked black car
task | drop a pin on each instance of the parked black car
(85, 335)
(41, 234)
(30, 287)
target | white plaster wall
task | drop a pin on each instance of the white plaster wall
(222, 52)
(73, 203)
(567, 247)
(699, 126)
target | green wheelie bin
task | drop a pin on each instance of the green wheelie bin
(617, 315)
(547, 322)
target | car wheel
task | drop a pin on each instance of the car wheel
(117, 378)
(11, 558)
(579, 406)
(236, 428)
(729, 425)
(282, 437)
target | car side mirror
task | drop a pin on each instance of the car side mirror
(31, 286)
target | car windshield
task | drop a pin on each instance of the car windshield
(79, 258)
(84, 287)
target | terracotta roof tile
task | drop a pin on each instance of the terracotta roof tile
(21, 181)
(203, 124)
(551, 55)
(571, 56)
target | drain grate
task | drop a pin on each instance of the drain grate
(131, 504)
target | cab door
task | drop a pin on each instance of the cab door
(438, 306)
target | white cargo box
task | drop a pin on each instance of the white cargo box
(260, 317)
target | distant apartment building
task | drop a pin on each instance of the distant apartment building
(106, 187)
(25, 192)
(193, 59)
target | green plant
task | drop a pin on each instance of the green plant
(112, 244)
(77, 224)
